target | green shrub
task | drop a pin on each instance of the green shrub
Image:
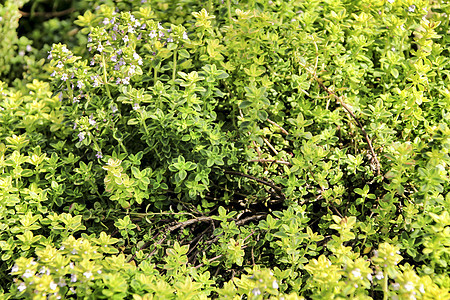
(252, 150)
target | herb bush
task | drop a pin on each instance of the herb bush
(254, 150)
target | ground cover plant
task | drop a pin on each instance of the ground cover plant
(224, 149)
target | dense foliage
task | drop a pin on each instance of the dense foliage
(224, 149)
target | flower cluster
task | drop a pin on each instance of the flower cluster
(58, 273)
(122, 47)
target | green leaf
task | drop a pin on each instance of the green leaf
(262, 115)
(183, 53)
(394, 72)
(133, 122)
(245, 104)
(172, 46)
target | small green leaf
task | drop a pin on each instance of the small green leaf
(172, 46)
(262, 115)
(245, 104)
(184, 53)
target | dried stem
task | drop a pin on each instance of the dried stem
(339, 99)
(276, 188)
(366, 136)
(188, 222)
(270, 146)
(272, 161)
(279, 126)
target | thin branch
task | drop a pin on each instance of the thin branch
(209, 260)
(281, 128)
(250, 218)
(188, 222)
(339, 99)
(146, 245)
(369, 142)
(270, 146)
(47, 15)
(276, 188)
(271, 161)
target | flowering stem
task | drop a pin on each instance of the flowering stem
(123, 147)
(143, 124)
(69, 89)
(105, 76)
(174, 73)
(229, 10)
(385, 287)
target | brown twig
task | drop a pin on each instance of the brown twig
(188, 222)
(209, 260)
(271, 161)
(239, 222)
(270, 146)
(276, 188)
(250, 218)
(47, 15)
(339, 99)
(279, 126)
(366, 136)
(146, 245)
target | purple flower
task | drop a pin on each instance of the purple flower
(126, 80)
(105, 21)
(152, 34)
(22, 287)
(99, 155)
(185, 36)
(80, 84)
(170, 40)
(81, 136)
(125, 39)
(92, 121)
(136, 106)
(64, 77)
